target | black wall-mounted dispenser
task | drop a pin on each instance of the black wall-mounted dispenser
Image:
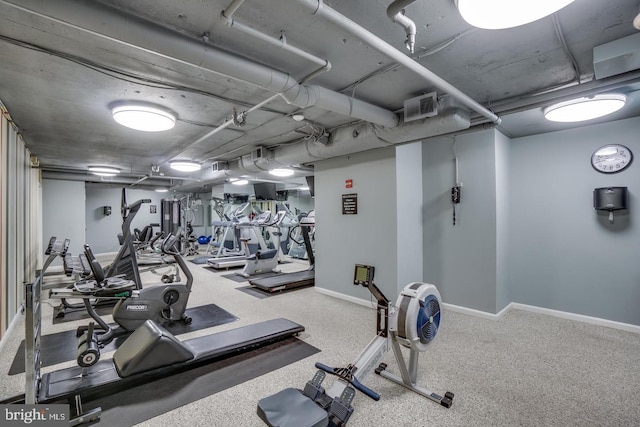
(610, 199)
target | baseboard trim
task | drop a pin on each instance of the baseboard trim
(511, 306)
(477, 313)
(10, 329)
(356, 300)
(577, 317)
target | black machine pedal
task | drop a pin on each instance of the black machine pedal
(313, 388)
(341, 406)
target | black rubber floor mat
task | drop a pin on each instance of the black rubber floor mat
(259, 293)
(238, 278)
(146, 401)
(62, 347)
(71, 315)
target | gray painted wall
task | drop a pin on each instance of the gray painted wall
(63, 213)
(102, 231)
(366, 238)
(562, 254)
(461, 260)
(410, 257)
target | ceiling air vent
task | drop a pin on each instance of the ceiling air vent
(257, 153)
(219, 166)
(420, 107)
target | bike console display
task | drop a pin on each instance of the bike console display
(363, 275)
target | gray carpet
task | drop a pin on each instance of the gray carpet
(525, 369)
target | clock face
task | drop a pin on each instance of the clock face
(611, 158)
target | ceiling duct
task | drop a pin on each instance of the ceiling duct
(344, 141)
(131, 31)
(617, 57)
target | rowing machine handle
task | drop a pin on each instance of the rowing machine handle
(353, 381)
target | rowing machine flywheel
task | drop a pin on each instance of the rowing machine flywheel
(418, 319)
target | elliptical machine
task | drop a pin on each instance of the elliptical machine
(413, 322)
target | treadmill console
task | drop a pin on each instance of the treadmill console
(363, 275)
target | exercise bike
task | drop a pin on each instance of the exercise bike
(160, 303)
(264, 260)
(413, 323)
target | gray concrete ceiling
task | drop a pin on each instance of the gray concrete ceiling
(63, 63)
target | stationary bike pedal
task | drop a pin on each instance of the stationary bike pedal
(88, 348)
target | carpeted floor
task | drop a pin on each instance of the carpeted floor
(525, 369)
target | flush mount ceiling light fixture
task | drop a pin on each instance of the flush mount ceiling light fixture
(298, 117)
(500, 14)
(184, 165)
(162, 190)
(585, 108)
(143, 117)
(281, 172)
(240, 182)
(103, 170)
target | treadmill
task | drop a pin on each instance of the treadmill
(297, 279)
(226, 262)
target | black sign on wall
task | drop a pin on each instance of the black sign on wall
(350, 204)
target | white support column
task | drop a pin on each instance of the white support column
(409, 214)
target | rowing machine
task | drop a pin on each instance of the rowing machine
(413, 323)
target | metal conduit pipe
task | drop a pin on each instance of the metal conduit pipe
(112, 24)
(233, 7)
(144, 178)
(317, 7)
(214, 131)
(68, 176)
(395, 12)
(226, 16)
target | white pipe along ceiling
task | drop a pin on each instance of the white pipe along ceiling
(241, 70)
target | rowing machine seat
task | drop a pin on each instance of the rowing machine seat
(291, 408)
